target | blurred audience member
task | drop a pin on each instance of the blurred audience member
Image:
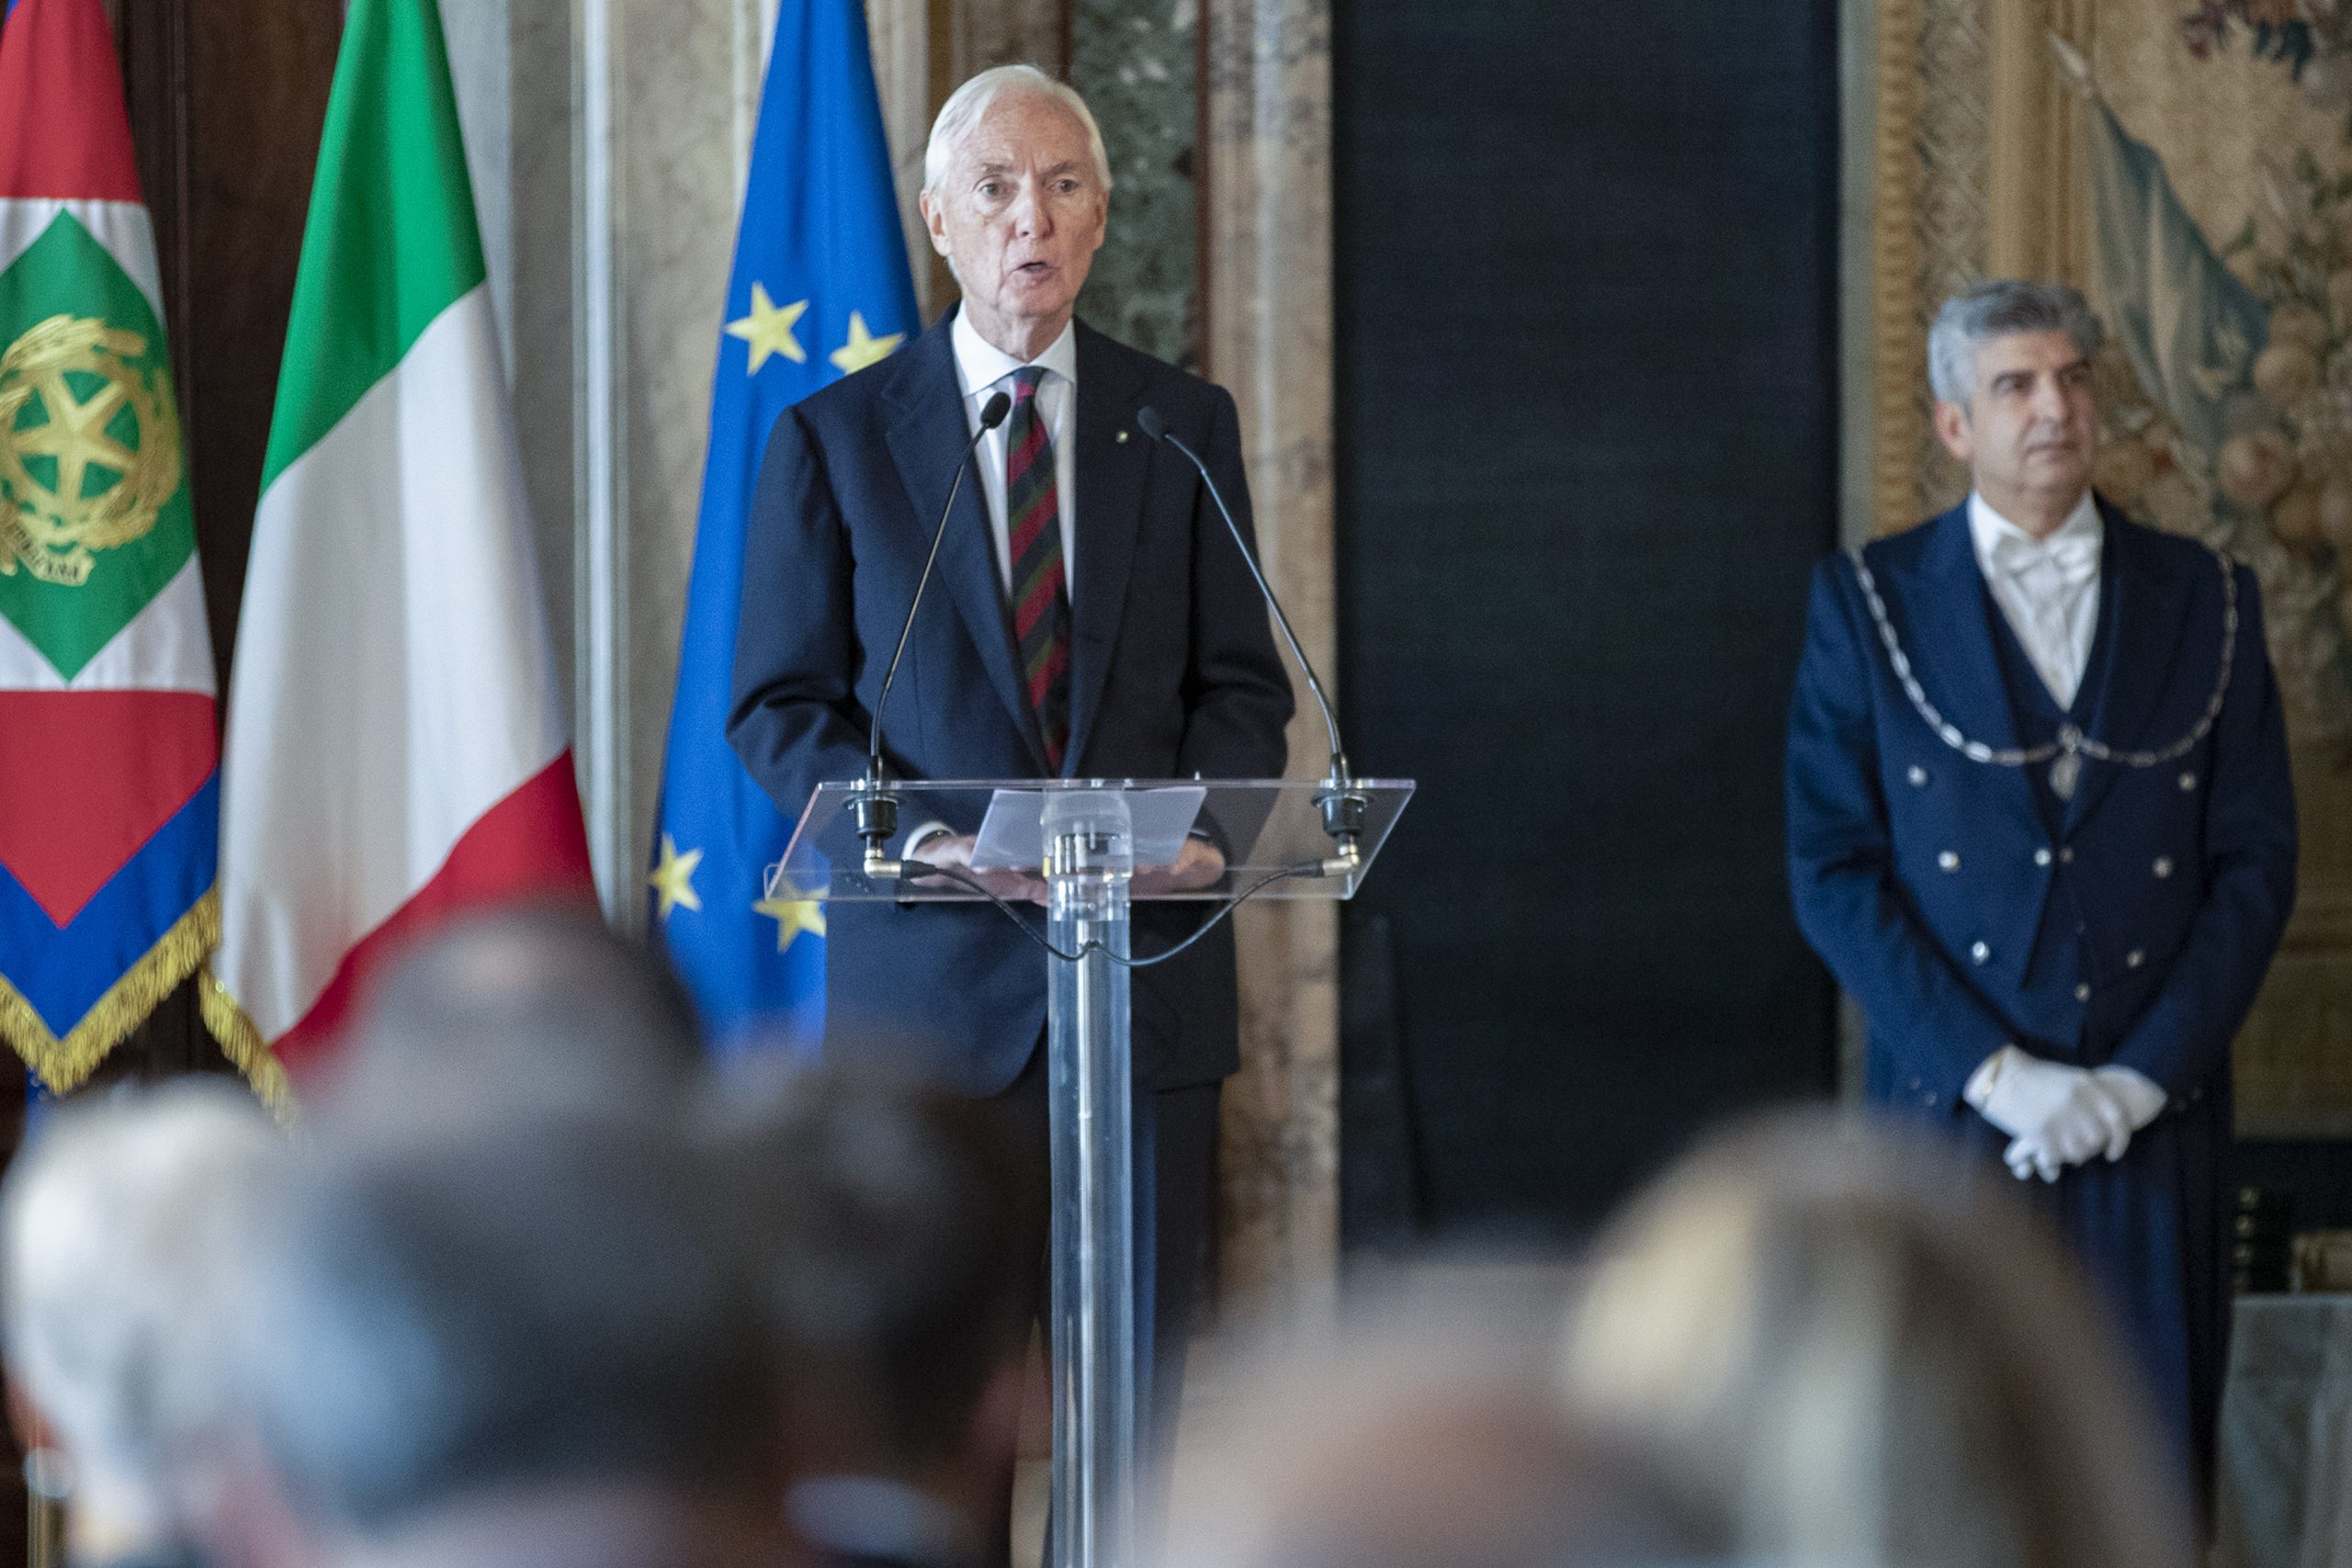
(538, 1008)
(510, 1347)
(1427, 1439)
(1862, 1352)
(120, 1220)
(902, 1279)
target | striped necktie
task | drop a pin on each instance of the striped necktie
(1040, 599)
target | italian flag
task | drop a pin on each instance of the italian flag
(396, 750)
(108, 744)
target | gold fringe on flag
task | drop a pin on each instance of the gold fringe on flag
(67, 1064)
(242, 1043)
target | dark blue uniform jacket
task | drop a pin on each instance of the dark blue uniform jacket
(1965, 905)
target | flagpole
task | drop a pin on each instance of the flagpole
(600, 635)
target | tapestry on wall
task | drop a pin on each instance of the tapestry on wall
(2188, 166)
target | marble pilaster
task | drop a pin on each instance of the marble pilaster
(999, 32)
(900, 33)
(1137, 64)
(608, 143)
(689, 83)
(1267, 216)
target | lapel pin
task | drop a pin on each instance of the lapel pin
(1121, 438)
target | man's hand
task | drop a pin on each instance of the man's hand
(2056, 1115)
(955, 850)
(1198, 863)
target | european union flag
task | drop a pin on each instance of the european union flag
(820, 288)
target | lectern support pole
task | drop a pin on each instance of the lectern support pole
(1088, 863)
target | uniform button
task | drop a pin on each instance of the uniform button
(1918, 775)
(2067, 856)
(2082, 992)
(1949, 861)
(1927, 1100)
(2163, 867)
(2188, 780)
(2042, 857)
(1980, 952)
(2133, 959)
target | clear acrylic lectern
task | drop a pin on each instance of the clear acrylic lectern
(1086, 849)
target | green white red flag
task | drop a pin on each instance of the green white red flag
(397, 751)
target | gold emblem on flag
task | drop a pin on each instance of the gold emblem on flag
(70, 389)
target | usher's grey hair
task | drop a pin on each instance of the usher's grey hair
(2001, 309)
(969, 104)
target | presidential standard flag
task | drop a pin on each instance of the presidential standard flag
(109, 748)
(396, 750)
(819, 291)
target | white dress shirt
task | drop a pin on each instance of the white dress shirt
(2047, 589)
(985, 369)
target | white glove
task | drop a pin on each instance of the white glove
(2138, 1096)
(2141, 1100)
(2057, 1115)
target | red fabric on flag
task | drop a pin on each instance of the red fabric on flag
(86, 778)
(529, 845)
(64, 132)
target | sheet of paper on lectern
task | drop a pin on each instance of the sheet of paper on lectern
(1013, 833)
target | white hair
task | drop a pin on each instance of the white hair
(969, 104)
(120, 1228)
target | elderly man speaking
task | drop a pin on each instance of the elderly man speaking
(1090, 617)
(2041, 826)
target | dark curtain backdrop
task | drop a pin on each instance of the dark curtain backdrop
(1586, 271)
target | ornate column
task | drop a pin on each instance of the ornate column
(905, 68)
(2038, 212)
(1266, 216)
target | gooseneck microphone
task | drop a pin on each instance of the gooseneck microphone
(1341, 802)
(874, 807)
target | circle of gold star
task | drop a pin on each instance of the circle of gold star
(674, 878)
(768, 329)
(792, 916)
(862, 348)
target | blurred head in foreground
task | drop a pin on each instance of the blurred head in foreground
(1425, 1438)
(538, 1008)
(537, 1340)
(901, 1280)
(120, 1220)
(1862, 1350)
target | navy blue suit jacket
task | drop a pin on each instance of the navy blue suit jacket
(1965, 906)
(1173, 673)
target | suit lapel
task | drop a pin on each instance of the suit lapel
(1111, 489)
(2140, 607)
(927, 435)
(1942, 601)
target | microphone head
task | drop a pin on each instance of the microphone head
(992, 412)
(1147, 420)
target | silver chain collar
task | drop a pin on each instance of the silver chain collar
(2071, 743)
